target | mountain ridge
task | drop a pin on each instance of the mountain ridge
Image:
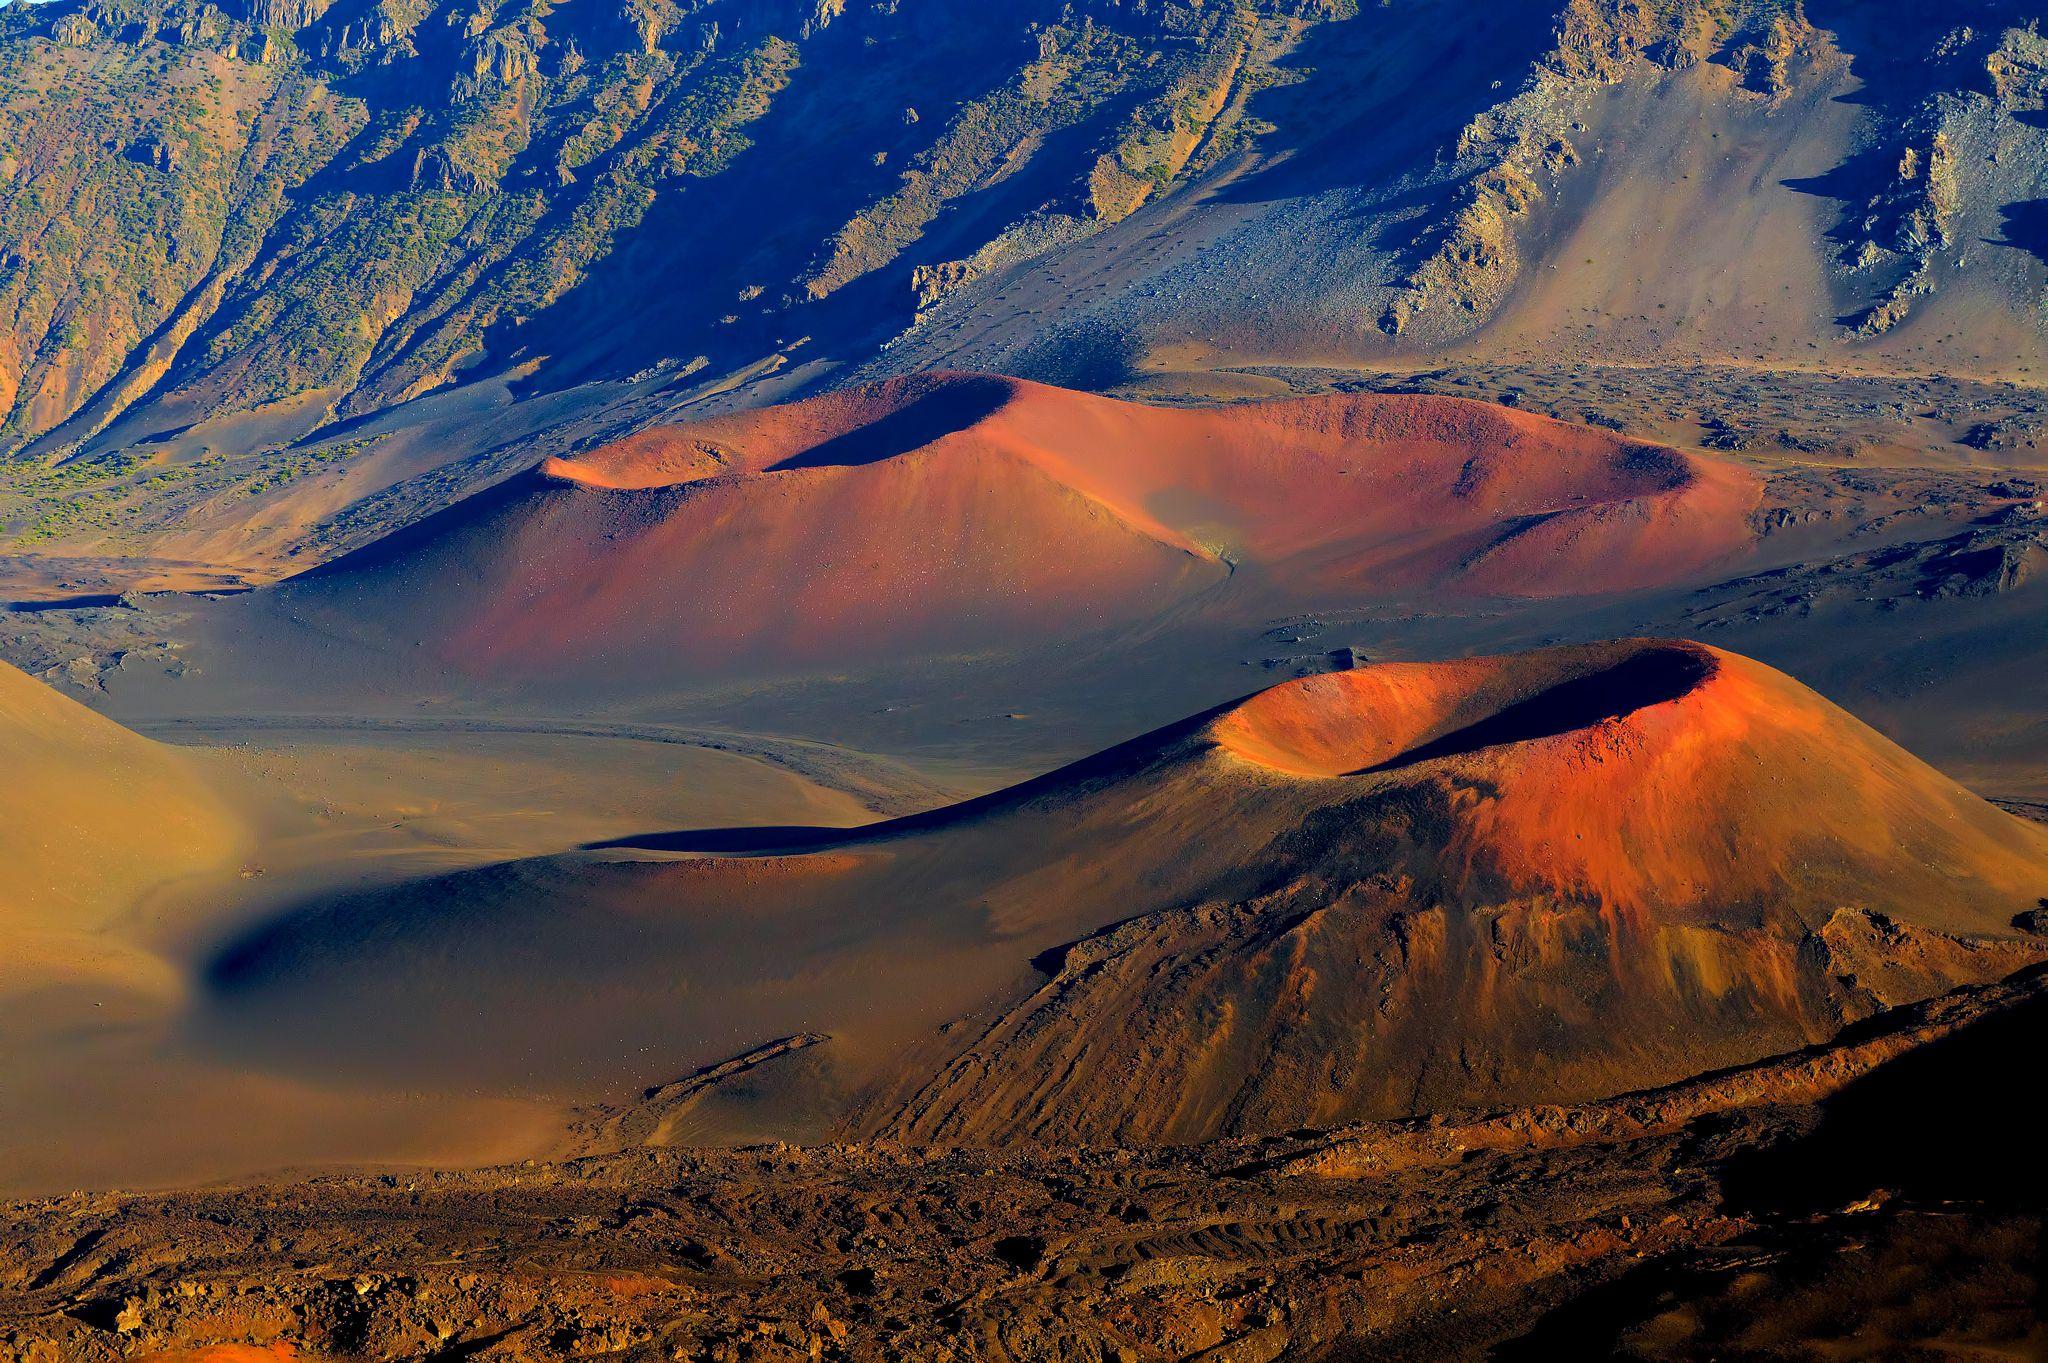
(1087, 194)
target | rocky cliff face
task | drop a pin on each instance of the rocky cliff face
(1752, 181)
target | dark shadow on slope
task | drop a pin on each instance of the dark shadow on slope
(948, 410)
(1899, 52)
(767, 839)
(1853, 181)
(1901, 57)
(439, 915)
(2026, 227)
(1955, 1120)
(1385, 93)
(827, 148)
(1950, 1132)
(1648, 678)
(429, 532)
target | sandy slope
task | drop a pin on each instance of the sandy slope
(1408, 887)
(92, 819)
(118, 853)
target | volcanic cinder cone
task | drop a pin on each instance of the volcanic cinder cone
(1406, 887)
(951, 512)
(1517, 879)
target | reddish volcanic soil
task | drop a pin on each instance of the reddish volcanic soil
(1410, 887)
(1673, 775)
(953, 512)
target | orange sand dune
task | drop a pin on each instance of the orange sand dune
(1380, 490)
(949, 512)
(1407, 887)
(1421, 886)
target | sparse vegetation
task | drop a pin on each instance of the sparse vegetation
(115, 496)
(361, 201)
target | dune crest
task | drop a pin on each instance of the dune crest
(1345, 723)
(1666, 773)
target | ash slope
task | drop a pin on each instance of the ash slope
(1404, 888)
(1852, 183)
(956, 512)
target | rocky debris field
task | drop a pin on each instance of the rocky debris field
(1780, 416)
(1741, 1214)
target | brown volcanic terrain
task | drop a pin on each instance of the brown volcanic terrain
(955, 512)
(1398, 889)
(387, 413)
(1876, 1197)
